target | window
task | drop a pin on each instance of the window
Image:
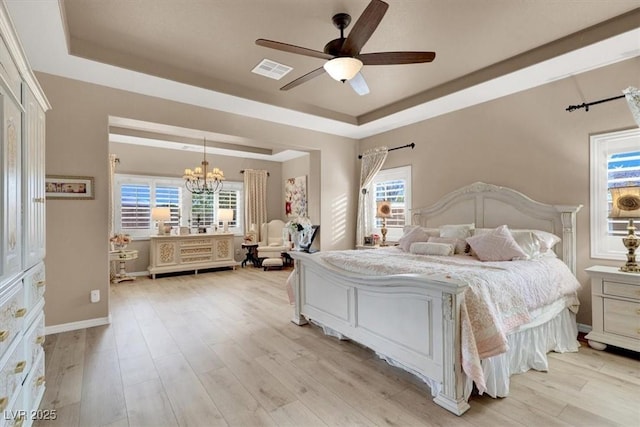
(205, 206)
(615, 162)
(393, 185)
(136, 195)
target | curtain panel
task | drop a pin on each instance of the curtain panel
(255, 200)
(372, 161)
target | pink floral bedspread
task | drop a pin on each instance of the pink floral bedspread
(498, 299)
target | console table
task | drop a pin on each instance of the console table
(191, 252)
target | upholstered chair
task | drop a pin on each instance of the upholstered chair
(272, 243)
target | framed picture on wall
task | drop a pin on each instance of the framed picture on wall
(69, 187)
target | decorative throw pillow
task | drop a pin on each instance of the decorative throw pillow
(547, 240)
(460, 232)
(528, 242)
(459, 245)
(416, 234)
(497, 245)
(430, 248)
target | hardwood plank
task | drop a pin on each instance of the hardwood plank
(66, 416)
(102, 393)
(295, 414)
(325, 404)
(65, 370)
(192, 405)
(137, 369)
(264, 387)
(237, 405)
(353, 390)
(148, 404)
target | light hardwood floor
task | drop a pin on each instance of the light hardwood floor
(219, 349)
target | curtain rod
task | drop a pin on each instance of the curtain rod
(412, 145)
(571, 108)
(242, 171)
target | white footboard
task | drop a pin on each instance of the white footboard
(413, 320)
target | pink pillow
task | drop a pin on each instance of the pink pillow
(413, 235)
(497, 245)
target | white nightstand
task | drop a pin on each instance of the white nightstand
(615, 300)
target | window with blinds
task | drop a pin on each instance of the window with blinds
(202, 210)
(623, 170)
(137, 194)
(169, 197)
(614, 162)
(394, 192)
(228, 199)
(135, 207)
(393, 185)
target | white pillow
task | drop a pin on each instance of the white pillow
(528, 242)
(460, 232)
(416, 234)
(497, 245)
(429, 248)
(546, 240)
(459, 245)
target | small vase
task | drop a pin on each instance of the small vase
(119, 246)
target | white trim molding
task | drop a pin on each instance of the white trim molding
(73, 326)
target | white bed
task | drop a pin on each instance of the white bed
(414, 320)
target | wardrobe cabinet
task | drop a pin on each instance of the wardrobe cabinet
(22, 233)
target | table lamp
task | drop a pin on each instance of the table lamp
(225, 215)
(383, 211)
(626, 205)
(161, 215)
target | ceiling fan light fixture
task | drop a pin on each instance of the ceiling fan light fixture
(343, 68)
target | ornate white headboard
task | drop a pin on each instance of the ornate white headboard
(489, 206)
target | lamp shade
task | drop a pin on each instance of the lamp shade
(225, 214)
(343, 68)
(625, 202)
(160, 214)
(383, 209)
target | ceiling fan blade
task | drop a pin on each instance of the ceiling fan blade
(293, 49)
(359, 85)
(364, 27)
(305, 78)
(393, 58)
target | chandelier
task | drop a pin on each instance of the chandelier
(202, 181)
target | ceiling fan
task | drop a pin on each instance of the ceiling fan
(344, 60)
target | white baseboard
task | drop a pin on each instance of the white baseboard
(585, 329)
(139, 273)
(73, 326)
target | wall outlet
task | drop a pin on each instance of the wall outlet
(95, 295)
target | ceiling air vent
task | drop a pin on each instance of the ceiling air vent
(271, 69)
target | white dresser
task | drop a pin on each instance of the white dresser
(615, 301)
(22, 233)
(191, 252)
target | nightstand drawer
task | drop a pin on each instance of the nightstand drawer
(622, 317)
(621, 290)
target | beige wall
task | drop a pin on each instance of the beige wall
(526, 141)
(77, 231)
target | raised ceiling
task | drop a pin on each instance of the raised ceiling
(211, 45)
